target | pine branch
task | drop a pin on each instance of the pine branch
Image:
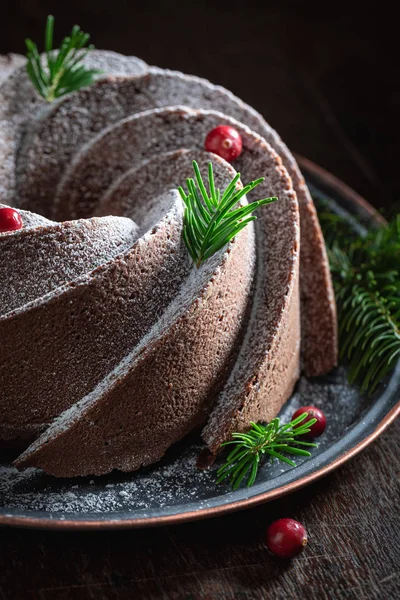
(212, 219)
(63, 72)
(274, 440)
(366, 277)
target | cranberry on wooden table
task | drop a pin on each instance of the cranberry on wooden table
(286, 538)
(10, 220)
(224, 141)
(313, 413)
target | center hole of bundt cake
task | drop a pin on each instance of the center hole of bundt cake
(146, 211)
(146, 193)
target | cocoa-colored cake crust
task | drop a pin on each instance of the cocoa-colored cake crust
(183, 358)
(109, 101)
(163, 389)
(133, 345)
(37, 260)
(98, 317)
(191, 334)
(20, 104)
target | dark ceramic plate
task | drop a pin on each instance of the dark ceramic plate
(175, 490)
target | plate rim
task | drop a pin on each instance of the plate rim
(33, 522)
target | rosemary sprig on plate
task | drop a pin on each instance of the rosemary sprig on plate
(274, 440)
(61, 71)
(213, 218)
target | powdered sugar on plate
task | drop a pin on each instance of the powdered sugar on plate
(176, 480)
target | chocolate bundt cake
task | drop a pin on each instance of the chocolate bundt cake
(114, 345)
(50, 146)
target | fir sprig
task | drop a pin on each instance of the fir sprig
(274, 440)
(366, 277)
(212, 218)
(61, 72)
(367, 289)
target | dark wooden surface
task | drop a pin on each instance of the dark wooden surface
(327, 81)
(352, 518)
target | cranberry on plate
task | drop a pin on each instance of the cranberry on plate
(313, 413)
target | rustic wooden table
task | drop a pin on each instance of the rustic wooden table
(326, 85)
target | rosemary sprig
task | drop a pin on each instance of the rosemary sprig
(365, 268)
(212, 219)
(62, 72)
(274, 440)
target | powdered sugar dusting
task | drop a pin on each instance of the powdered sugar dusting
(114, 145)
(9, 63)
(176, 480)
(43, 255)
(20, 104)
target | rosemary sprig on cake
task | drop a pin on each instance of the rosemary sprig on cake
(213, 218)
(61, 72)
(274, 440)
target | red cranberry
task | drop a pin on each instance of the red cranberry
(224, 141)
(286, 538)
(313, 413)
(10, 220)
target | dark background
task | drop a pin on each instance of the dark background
(326, 77)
